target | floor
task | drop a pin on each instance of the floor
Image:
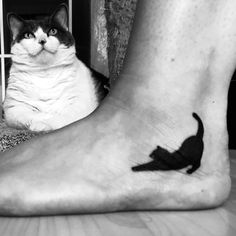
(217, 222)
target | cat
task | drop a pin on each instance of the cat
(48, 86)
(189, 154)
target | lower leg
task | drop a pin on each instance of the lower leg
(177, 64)
(182, 55)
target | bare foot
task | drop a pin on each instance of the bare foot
(87, 167)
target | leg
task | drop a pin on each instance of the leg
(180, 60)
(22, 118)
(194, 167)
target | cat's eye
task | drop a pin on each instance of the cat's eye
(28, 35)
(52, 31)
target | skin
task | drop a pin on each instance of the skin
(177, 63)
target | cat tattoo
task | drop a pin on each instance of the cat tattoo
(189, 154)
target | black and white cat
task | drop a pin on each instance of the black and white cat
(48, 86)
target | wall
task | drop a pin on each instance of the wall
(120, 14)
(99, 40)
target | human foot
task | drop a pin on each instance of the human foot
(87, 167)
(177, 68)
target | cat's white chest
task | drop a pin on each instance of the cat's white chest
(47, 83)
(57, 96)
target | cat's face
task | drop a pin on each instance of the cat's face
(41, 39)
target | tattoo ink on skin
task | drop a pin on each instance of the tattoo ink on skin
(189, 154)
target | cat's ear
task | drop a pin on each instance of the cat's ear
(61, 16)
(15, 24)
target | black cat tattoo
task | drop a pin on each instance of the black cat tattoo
(189, 154)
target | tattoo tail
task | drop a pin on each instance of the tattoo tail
(200, 131)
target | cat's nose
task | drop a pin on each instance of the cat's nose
(42, 41)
